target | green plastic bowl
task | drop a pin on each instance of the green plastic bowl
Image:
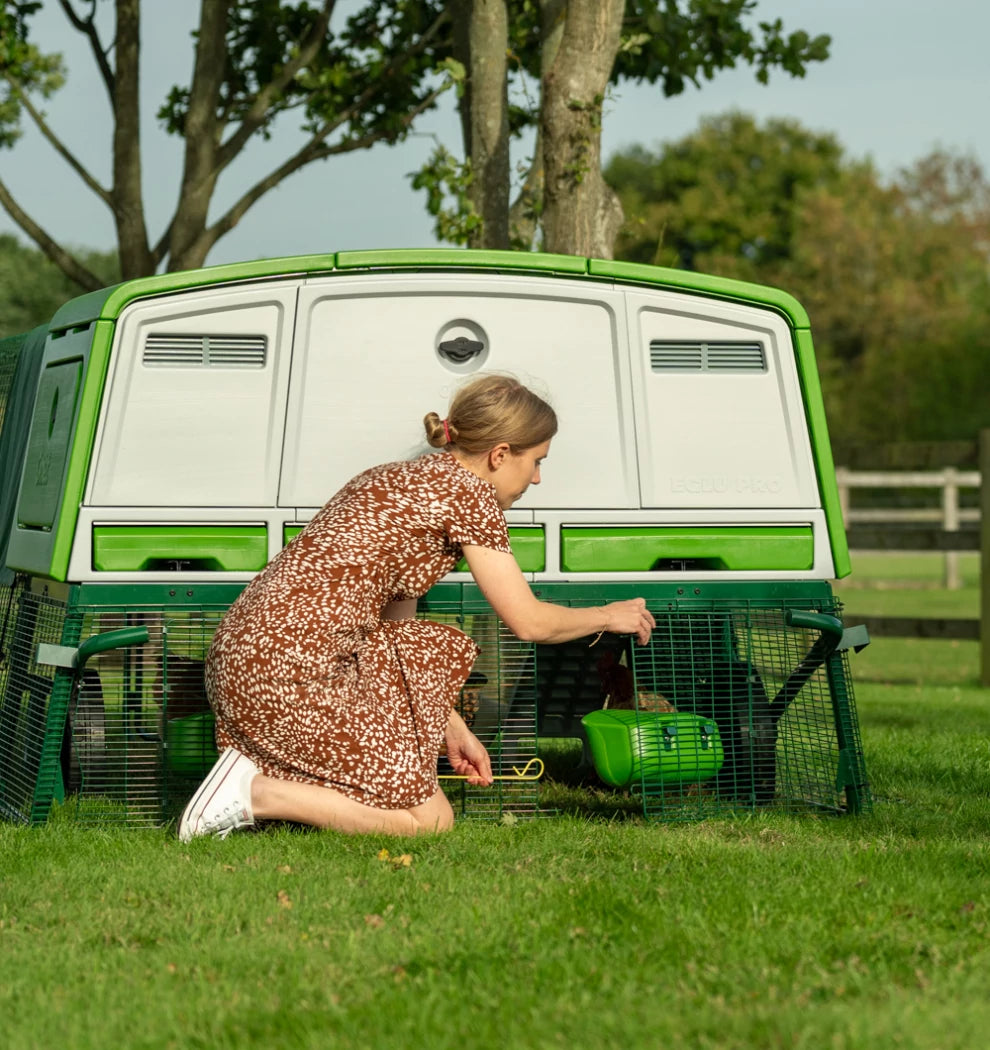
(649, 748)
(190, 748)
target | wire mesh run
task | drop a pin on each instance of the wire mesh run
(732, 706)
(729, 708)
(498, 703)
(130, 737)
(27, 690)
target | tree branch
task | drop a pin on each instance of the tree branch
(230, 149)
(56, 143)
(67, 263)
(263, 100)
(315, 149)
(160, 249)
(87, 27)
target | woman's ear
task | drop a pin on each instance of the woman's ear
(497, 455)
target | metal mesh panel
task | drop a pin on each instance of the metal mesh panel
(137, 733)
(499, 705)
(780, 702)
(729, 708)
(139, 726)
(26, 694)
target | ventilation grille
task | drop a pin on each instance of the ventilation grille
(205, 351)
(706, 357)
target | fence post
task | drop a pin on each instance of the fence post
(950, 523)
(985, 557)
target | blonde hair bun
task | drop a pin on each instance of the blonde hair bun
(491, 409)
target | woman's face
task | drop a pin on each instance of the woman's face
(516, 472)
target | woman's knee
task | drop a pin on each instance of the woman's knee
(433, 816)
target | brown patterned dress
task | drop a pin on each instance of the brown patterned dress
(304, 675)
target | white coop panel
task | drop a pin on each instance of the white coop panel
(719, 415)
(374, 355)
(196, 401)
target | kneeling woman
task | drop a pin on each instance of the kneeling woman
(332, 701)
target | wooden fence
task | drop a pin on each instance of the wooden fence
(949, 528)
(886, 525)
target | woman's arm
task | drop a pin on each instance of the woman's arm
(504, 586)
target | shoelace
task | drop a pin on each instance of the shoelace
(225, 821)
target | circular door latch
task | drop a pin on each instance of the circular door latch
(462, 346)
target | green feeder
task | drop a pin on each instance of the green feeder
(189, 744)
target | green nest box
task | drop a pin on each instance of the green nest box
(645, 747)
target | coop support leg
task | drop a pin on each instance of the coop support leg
(850, 774)
(48, 784)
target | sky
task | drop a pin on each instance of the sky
(904, 77)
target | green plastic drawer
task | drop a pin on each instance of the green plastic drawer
(528, 546)
(634, 548)
(157, 548)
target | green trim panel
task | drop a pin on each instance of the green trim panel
(151, 548)
(106, 303)
(459, 257)
(528, 542)
(821, 450)
(49, 444)
(689, 281)
(644, 548)
(801, 594)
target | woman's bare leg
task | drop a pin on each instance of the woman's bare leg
(323, 807)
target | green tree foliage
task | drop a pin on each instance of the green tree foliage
(894, 273)
(724, 199)
(348, 83)
(256, 63)
(668, 43)
(895, 277)
(32, 288)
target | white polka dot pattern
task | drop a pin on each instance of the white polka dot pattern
(306, 678)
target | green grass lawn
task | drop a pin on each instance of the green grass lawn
(895, 584)
(573, 931)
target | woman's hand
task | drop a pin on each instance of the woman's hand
(466, 753)
(630, 617)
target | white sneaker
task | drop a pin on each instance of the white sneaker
(223, 801)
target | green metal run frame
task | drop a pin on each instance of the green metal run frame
(748, 657)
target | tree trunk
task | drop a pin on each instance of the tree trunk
(524, 214)
(188, 246)
(581, 214)
(481, 32)
(126, 195)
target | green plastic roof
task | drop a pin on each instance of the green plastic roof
(106, 303)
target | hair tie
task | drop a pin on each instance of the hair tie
(446, 431)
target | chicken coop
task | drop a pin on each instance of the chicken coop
(164, 438)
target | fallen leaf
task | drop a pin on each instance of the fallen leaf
(376, 922)
(284, 900)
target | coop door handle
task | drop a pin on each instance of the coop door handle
(74, 659)
(461, 349)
